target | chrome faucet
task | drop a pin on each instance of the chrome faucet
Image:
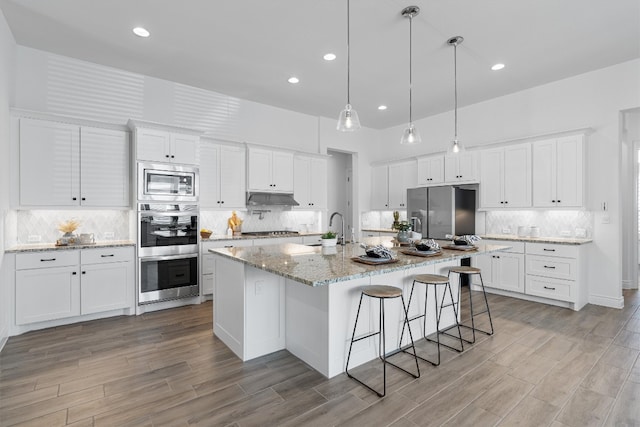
(341, 223)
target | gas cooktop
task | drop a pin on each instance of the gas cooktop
(275, 233)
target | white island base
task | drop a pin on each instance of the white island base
(257, 312)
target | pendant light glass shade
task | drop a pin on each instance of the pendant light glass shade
(348, 120)
(455, 147)
(410, 135)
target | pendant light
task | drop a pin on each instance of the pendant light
(348, 120)
(410, 135)
(456, 146)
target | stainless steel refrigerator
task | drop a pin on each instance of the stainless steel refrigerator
(442, 210)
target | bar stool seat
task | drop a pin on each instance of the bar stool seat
(469, 271)
(382, 293)
(433, 281)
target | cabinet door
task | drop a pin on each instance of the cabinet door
(436, 170)
(491, 178)
(484, 263)
(185, 149)
(49, 164)
(47, 294)
(104, 167)
(569, 171)
(397, 191)
(302, 181)
(233, 175)
(282, 171)
(259, 171)
(153, 145)
(451, 172)
(209, 176)
(380, 187)
(318, 180)
(467, 167)
(510, 272)
(543, 173)
(106, 287)
(517, 176)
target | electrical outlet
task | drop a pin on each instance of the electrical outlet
(109, 234)
(259, 288)
(506, 230)
(581, 232)
(34, 238)
(565, 233)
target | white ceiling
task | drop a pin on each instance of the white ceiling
(248, 49)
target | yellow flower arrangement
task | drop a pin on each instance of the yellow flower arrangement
(69, 226)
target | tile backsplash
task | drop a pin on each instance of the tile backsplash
(558, 223)
(379, 219)
(29, 226)
(275, 220)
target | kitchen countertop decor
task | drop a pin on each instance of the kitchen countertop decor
(39, 247)
(552, 240)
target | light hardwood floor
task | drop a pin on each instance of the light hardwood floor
(543, 366)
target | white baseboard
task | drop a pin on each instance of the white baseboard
(613, 302)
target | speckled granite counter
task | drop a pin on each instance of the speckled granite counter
(38, 247)
(317, 266)
(556, 240)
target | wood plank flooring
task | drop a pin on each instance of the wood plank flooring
(544, 366)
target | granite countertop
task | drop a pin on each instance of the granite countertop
(317, 266)
(222, 237)
(38, 247)
(555, 240)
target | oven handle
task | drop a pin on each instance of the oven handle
(167, 257)
(154, 213)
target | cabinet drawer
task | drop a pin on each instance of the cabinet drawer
(565, 251)
(106, 255)
(561, 268)
(58, 258)
(564, 290)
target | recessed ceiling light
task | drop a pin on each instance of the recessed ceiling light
(293, 80)
(141, 32)
(382, 107)
(329, 57)
(497, 67)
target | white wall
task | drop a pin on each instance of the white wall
(7, 67)
(593, 100)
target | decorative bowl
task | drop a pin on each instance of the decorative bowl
(206, 234)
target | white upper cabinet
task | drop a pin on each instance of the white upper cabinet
(104, 167)
(270, 170)
(158, 145)
(460, 168)
(431, 170)
(380, 187)
(389, 184)
(401, 177)
(222, 176)
(63, 165)
(558, 172)
(310, 182)
(505, 177)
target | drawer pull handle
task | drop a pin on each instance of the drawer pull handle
(106, 256)
(550, 288)
(228, 246)
(48, 259)
(549, 266)
(73, 273)
(549, 250)
(180, 275)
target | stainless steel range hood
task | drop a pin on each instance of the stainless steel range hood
(270, 199)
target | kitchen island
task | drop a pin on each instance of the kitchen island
(304, 299)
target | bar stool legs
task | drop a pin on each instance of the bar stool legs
(382, 292)
(432, 281)
(469, 271)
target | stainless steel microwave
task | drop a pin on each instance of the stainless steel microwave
(167, 183)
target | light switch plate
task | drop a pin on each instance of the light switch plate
(109, 234)
(34, 238)
(506, 230)
(565, 233)
(581, 233)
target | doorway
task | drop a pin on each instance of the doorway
(630, 197)
(340, 194)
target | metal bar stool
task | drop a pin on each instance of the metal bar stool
(433, 281)
(382, 292)
(470, 271)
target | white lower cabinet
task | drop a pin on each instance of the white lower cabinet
(503, 270)
(207, 261)
(58, 284)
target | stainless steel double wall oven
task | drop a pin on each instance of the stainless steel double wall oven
(168, 216)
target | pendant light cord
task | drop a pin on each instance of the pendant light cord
(348, 54)
(455, 91)
(410, 67)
